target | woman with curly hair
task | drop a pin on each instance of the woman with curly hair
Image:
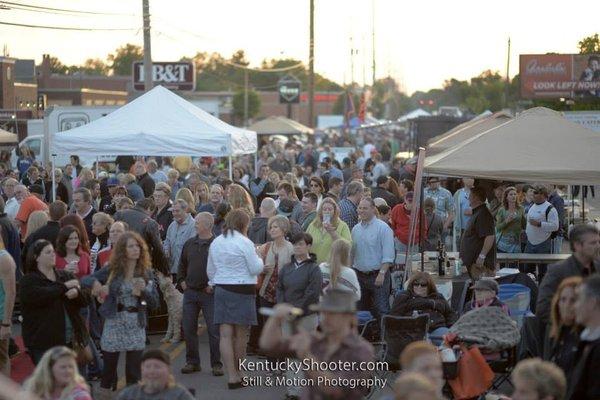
(56, 377)
(239, 198)
(126, 290)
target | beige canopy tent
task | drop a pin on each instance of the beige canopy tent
(465, 131)
(279, 126)
(539, 145)
(8, 139)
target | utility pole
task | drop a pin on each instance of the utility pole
(373, 37)
(311, 66)
(506, 89)
(147, 47)
(245, 97)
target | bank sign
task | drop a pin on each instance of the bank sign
(289, 90)
(172, 75)
(551, 76)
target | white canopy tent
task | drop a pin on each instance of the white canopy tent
(465, 131)
(419, 112)
(158, 123)
(539, 145)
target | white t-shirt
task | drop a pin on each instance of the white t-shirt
(537, 235)
(347, 281)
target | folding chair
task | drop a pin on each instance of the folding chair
(503, 367)
(517, 298)
(396, 334)
(459, 295)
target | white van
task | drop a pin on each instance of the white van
(61, 119)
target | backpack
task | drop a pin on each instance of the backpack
(555, 233)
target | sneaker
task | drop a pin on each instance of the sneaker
(190, 368)
(217, 370)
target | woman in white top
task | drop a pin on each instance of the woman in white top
(233, 265)
(336, 273)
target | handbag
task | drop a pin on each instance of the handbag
(84, 353)
(474, 374)
(261, 277)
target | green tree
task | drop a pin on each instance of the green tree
(122, 60)
(91, 66)
(57, 67)
(589, 45)
(238, 104)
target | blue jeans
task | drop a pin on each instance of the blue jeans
(543, 248)
(374, 298)
(436, 335)
(193, 302)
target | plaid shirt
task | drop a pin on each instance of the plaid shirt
(348, 213)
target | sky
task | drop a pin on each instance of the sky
(419, 43)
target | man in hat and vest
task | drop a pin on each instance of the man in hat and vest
(338, 342)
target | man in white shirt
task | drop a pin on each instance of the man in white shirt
(12, 205)
(156, 174)
(542, 221)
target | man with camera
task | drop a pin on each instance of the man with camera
(336, 344)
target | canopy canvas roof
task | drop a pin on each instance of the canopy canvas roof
(539, 145)
(465, 131)
(158, 123)
(277, 125)
(8, 138)
(419, 112)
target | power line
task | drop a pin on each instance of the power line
(65, 10)
(65, 28)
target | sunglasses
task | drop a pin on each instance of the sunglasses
(421, 284)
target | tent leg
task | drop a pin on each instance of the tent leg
(53, 178)
(256, 164)
(230, 168)
(97, 168)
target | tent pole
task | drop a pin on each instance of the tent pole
(230, 168)
(97, 168)
(256, 163)
(53, 178)
(583, 193)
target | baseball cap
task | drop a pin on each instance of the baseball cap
(36, 189)
(486, 284)
(156, 354)
(286, 207)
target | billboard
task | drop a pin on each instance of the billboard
(550, 76)
(289, 90)
(172, 75)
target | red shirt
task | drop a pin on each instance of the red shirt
(401, 224)
(83, 264)
(28, 206)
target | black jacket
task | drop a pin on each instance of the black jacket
(440, 312)
(192, 265)
(555, 275)
(48, 232)
(164, 218)
(12, 242)
(43, 306)
(583, 380)
(389, 198)
(258, 231)
(300, 285)
(147, 184)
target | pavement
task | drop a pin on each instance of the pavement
(207, 386)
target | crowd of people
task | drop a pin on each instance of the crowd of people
(312, 238)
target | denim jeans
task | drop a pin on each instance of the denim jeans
(436, 335)
(374, 298)
(543, 248)
(193, 302)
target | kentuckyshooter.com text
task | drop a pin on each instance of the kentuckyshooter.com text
(308, 364)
